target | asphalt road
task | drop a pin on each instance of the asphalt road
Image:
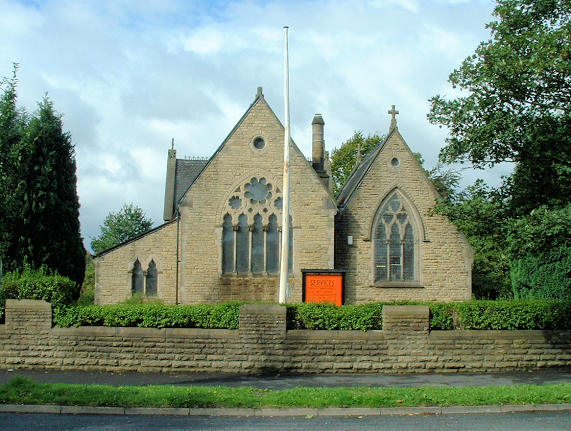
(547, 421)
(291, 381)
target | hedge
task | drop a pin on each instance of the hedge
(36, 284)
(151, 315)
(513, 314)
(509, 314)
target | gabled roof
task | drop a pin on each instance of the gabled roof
(186, 173)
(259, 96)
(150, 231)
(357, 176)
(259, 99)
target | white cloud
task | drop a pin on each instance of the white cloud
(129, 76)
(410, 5)
(205, 41)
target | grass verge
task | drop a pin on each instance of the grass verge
(24, 391)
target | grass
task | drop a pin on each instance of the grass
(24, 391)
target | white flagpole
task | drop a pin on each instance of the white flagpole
(285, 216)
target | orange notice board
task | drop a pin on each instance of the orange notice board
(324, 287)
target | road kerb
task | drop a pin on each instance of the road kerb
(157, 411)
(303, 412)
(283, 412)
(30, 408)
(410, 411)
(90, 410)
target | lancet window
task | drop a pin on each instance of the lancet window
(251, 239)
(144, 282)
(395, 241)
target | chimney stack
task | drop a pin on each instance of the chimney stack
(318, 144)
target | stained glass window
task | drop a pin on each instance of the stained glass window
(258, 245)
(272, 245)
(394, 257)
(243, 245)
(250, 229)
(137, 278)
(227, 244)
(151, 280)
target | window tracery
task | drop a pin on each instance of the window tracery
(250, 229)
(144, 282)
(395, 241)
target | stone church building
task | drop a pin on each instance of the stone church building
(221, 238)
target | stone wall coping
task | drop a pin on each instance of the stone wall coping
(495, 334)
(331, 335)
(85, 331)
(201, 333)
(420, 311)
(111, 331)
(262, 309)
(28, 304)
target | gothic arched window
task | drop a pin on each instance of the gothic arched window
(258, 245)
(395, 245)
(272, 246)
(250, 229)
(151, 280)
(227, 244)
(137, 278)
(144, 283)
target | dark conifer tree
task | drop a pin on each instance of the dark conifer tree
(12, 123)
(49, 206)
(39, 207)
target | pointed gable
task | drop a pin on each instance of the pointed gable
(259, 104)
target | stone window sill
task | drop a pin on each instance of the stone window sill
(406, 284)
(250, 275)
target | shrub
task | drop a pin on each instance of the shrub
(540, 252)
(151, 316)
(507, 314)
(87, 292)
(513, 314)
(37, 284)
(325, 316)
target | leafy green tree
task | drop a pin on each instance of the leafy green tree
(344, 158)
(539, 246)
(357, 147)
(40, 217)
(515, 103)
(445, 180)
(87, 293)
(129, 222)
(480, 214)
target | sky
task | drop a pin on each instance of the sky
(128, 76)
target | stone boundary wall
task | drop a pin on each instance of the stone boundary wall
(262, 344)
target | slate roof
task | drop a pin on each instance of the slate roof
(359, 173)
(186, 173)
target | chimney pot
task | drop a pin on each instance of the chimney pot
(318, 143)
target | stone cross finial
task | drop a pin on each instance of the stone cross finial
(259, 92)
(394, 113)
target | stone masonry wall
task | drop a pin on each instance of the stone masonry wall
(207, 201)
(262, 344)
(114, 269)
(202, 210)
(444, 261)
